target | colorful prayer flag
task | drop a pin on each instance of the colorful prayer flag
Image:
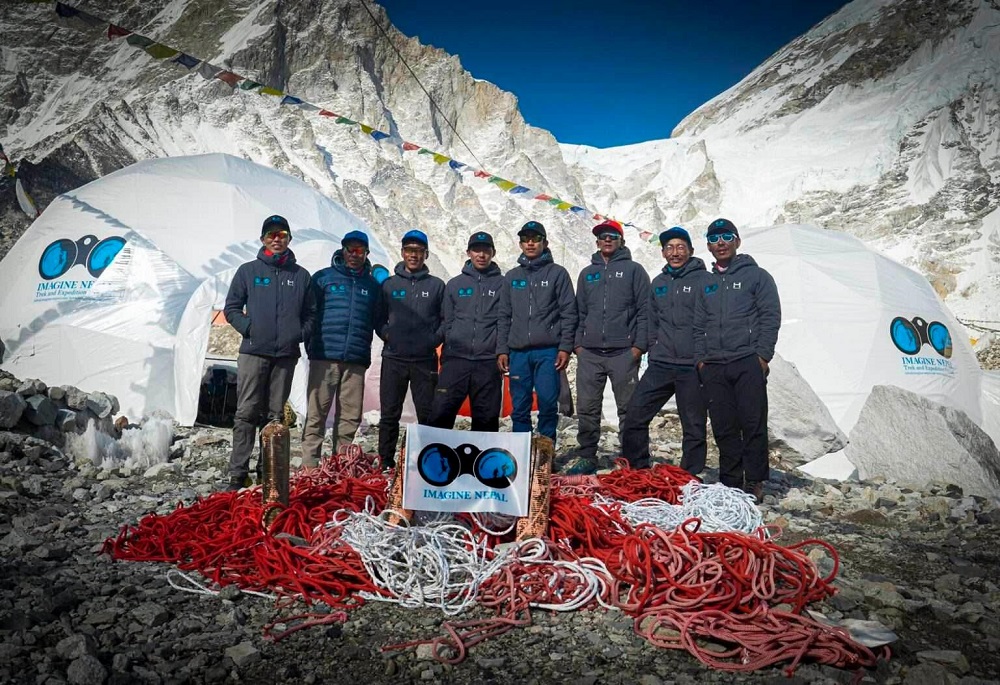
(345, 120)
(229, 78)
(137, 41)
(290, 100)
(247, 84)
(482, 174)
(186, 60)
(543, 196)
(160, 51)
(268, 90)
(519, 189)
(410, 146)
(380, 135)
(457, 166)
(117, 32)
(441, 159)
(328, 113)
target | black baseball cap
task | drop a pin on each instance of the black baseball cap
(722, 226)
(480, 238)
(275, 222)
(532, 227)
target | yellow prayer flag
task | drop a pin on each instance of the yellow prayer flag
(267, 90)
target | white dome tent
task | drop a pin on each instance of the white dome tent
(113, 287)
(853, 319)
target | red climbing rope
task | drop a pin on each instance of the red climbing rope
(685, 588)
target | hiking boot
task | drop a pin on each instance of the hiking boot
(580, 466)
(755, 488)
(237, 483)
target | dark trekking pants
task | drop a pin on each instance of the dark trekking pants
(262, 388)
(479, 380)
(421, 378)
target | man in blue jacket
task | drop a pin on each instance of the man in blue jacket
(535, 330)
(737, 317)
(612, 299)
(340, 348)
(269, 304)
(468, 366)
(671, 357)
(411, 325)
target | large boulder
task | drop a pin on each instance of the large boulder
(41, 411)
(908, 438)
(12, 406)
(75, 398)
(796, 417)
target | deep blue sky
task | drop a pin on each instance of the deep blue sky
(612, 72)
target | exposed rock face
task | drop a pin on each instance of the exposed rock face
(880, 121)
(906, 437)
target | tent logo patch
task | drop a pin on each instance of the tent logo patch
(63, 255)
(440, 464)
(910, 335)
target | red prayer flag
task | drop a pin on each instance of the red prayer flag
(229, 77)
(410, 146)
(116, 32)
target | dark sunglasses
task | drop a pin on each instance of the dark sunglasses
(608, 236)
(356, 250)
(271, 235)
(533, 239)
(724, 237)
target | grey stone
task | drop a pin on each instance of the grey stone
(101, 404)
(31, 386)
(926, 674)
(907, 437)
(75, 646)
(952, 659)
(797, 418)
(87, 670)
(150, 614)
(40, 411)
(56, 394)
(75, 398)
(244, 654)
(166, 468)
(12, 407)
(66, 420)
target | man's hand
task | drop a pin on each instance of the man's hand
(763, 366)
(701, 365)
(636, 353)
(562, 359)
(576, 350)
(503, 363)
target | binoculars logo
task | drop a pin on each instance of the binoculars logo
(465, 292)
(441, 464)
(399, 294)
(61, 255)
(594, 277)
(910, 336)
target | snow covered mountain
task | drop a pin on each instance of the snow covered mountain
(881, 121)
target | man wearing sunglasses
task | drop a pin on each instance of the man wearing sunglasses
(737, 317)
(612, 299)
(468, 368)
(340, 349)
(671, 371)
(535, 330)
(269, 304)
(411, 325)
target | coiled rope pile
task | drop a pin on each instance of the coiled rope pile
(690, 563)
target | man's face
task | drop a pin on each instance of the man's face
(532, 245)
(724, 249)
(608, 243)
(276, 241)
(480, 256)
(355, 254)
(676, 252)
(414, 255)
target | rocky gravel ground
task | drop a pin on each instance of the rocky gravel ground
(923, 562)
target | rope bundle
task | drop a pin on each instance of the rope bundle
(615, 540)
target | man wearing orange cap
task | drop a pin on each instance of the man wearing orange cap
(612, 299)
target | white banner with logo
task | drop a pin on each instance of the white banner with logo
(451, 470)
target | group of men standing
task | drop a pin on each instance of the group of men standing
(709, 337)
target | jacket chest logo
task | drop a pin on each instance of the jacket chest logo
(710, 289)
(519, 284)
(466, 292)
(544, 284)
(424, 293)
(491, 293)
(364, 291)
(593, 278)
(259, 281)
(619, 274)
(338, 289)
(399, 294)
(738, 285)
(686, 289)
(661, 290)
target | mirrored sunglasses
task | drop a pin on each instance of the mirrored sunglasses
(414, 250)
(356, 250)
(724, 237)
(608, 236)
(273, 235)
